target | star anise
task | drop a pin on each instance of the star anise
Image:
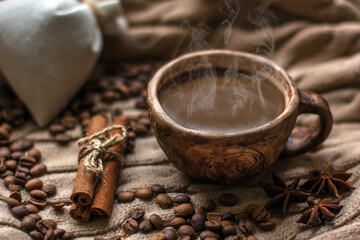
(282, 194)
(317, 213)
(329, 181)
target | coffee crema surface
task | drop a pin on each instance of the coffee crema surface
(220, 102)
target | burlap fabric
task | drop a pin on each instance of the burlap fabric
(316, 41)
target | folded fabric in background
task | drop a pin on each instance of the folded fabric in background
(48, 48)
(317, 42)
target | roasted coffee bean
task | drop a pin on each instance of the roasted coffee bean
(41, 227)
(35, 153)
(226, 223)
(177, 222)
(35, 216)
(124, 197)
(198, 221)
(200, 211)
(251, 207)
(27, 144)
(15, 195)
(68, 236)
(20, 178)
(246, 226)
(36, 235)
(157, 221)
(233, 238)
(49, 189)
(11, 164)
(40, 204)
(268, 225)
(38, 170)
(50, 234)
(50, 223)
(5, 131)
(213, 225)
(28, 224)
(122, 89)
(12, 202)
(140, 130)
(32, 208)
(208, 234)
(184, 210)
(228, 199)
(17, 155)
(110, 96)
(214, 216)
(156, 188)
(6, 126)
(144, 193)
(164, 200)
(15, 187)
(179, 199)
(137, 214)
(62, 138)
(251, 237)
(158, 236)
(208, 205)
(58, 205)
(38, 194)
(184, 237)
(145, 226)
(27, 161)
(186, 230)
(69, 122)
(228, 216)
(24, 170)
(16, 147)
(58, 233)
(5, 152)
(2, 165)
(56, 129)
(7, 173)
(170, 234)
(241, 215)
(19, 211)
(33, 184)
(260, 214)
(8, 180)
(228, 231)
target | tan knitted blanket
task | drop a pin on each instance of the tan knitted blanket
(316, 41)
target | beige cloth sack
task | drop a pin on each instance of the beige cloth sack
(48, 49)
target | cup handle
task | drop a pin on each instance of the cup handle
(303, 139)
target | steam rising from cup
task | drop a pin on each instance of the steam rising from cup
(203, 97)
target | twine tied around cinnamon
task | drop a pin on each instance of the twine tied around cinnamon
(95, 147)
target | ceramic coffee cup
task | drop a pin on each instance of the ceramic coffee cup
(228, 157)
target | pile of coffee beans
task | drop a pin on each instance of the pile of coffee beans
(190, 222)
(20, 167)
(12, 115)
(120, 83)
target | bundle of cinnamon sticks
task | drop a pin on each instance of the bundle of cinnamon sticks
(93, 194)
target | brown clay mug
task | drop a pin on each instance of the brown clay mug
(229, 157)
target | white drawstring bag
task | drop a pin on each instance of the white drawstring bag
(49, 47)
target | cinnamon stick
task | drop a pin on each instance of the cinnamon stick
(80, 213)
(104, 196)
(85, 182)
